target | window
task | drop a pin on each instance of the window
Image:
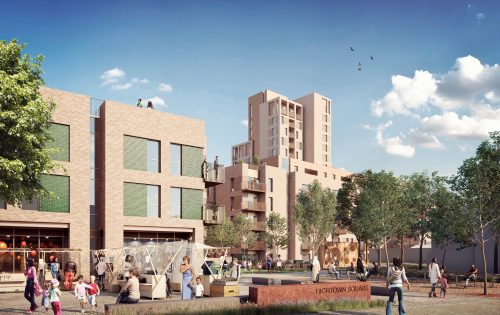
(296, 134)
(250, 111)
(325, 118)
(175, 159)
(141, 154)
(325, 147)
(325, 138)
(271, 203)
(273, 152)
(232, 184)
(140, 200)
(300, 125)
(231, 203)
(282, 141)
(192, 204)
(325, 157)
(286, 131)
(59, 185)
(286, 152)
(272, 132)
(325, 128)
(270, 110)
(300, 145)
(185, 160)
(153, 156)
(296, 168)
(175, 202)
(60, 142)
(334, 176)
(3, 204)
(296, 155)
(282, 119)
(325, 175)
(270, 184)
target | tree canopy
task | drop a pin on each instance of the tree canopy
(24, 122)
(276, 232)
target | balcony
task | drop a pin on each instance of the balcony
(299, 116)
(213, 175)
(253, 205)
(291, 145)
(252, 185)
(291, 124)
(291, 113)
(259, 226)
(213, 214)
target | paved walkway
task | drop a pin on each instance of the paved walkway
(459, 301)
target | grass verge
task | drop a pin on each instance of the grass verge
(251, 309)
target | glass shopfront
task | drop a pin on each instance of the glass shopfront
(136, 238)
(18, 242)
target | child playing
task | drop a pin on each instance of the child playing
(444, 285)
(93, 291)
(45, 297)
(199, 290)
(54, 294)
(81, 292)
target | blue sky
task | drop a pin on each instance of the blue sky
(430, 95)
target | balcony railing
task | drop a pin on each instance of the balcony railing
(259, 226)
(252, 185)
(213, 175)
(213, 214)
(253, 205)
(299, 117)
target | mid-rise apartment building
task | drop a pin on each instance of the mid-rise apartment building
(131, 176)
(288, 147)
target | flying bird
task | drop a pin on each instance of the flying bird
(359, 67)
(359, 64)
(371, 57)
(352, 49)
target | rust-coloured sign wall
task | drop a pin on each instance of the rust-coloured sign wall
(295, 293)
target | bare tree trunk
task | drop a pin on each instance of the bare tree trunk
(420, 252)
(379, 256)
(444, 255)
(402, 250)
(495, 254)
(386, 253)
(485, 280)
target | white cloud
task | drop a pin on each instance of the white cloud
(463, 103)
(407, 94)
(393, 145)
(137, 80)
(164, 87)
(157, 102)
(244, 122)
(424, 139)
(480, 17)
(464, 147)
(464, 127)
(124, 86)
(112, 76)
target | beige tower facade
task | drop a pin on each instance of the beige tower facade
(288, 147)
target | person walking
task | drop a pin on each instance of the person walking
(236, 269)
(100, 269)
(54, 296)
(316, 267)
(188, 274)
(395, 277)
(81, 292)
(54, 268)
(269, 264)
(69, 274)
(444, 285)
(434, 276)
(31, 281)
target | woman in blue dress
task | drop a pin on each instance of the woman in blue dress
(188, 274)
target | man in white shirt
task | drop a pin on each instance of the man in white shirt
(236, 270)
(100, 269)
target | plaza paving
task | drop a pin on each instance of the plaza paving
(459, 301)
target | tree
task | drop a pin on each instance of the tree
(245, 237)
(315, 215)
(443, 219)
(349, 215)
(380, 202)
(420, 196)
(24, 122)
(276, 232)
(478, 184)
(223, 235)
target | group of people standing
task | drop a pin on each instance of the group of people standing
(149, 106)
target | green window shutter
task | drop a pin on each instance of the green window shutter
(192, 202)
(134, 153)
(60, 141)
(135, 200)
(192, 158)
(59, 185)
